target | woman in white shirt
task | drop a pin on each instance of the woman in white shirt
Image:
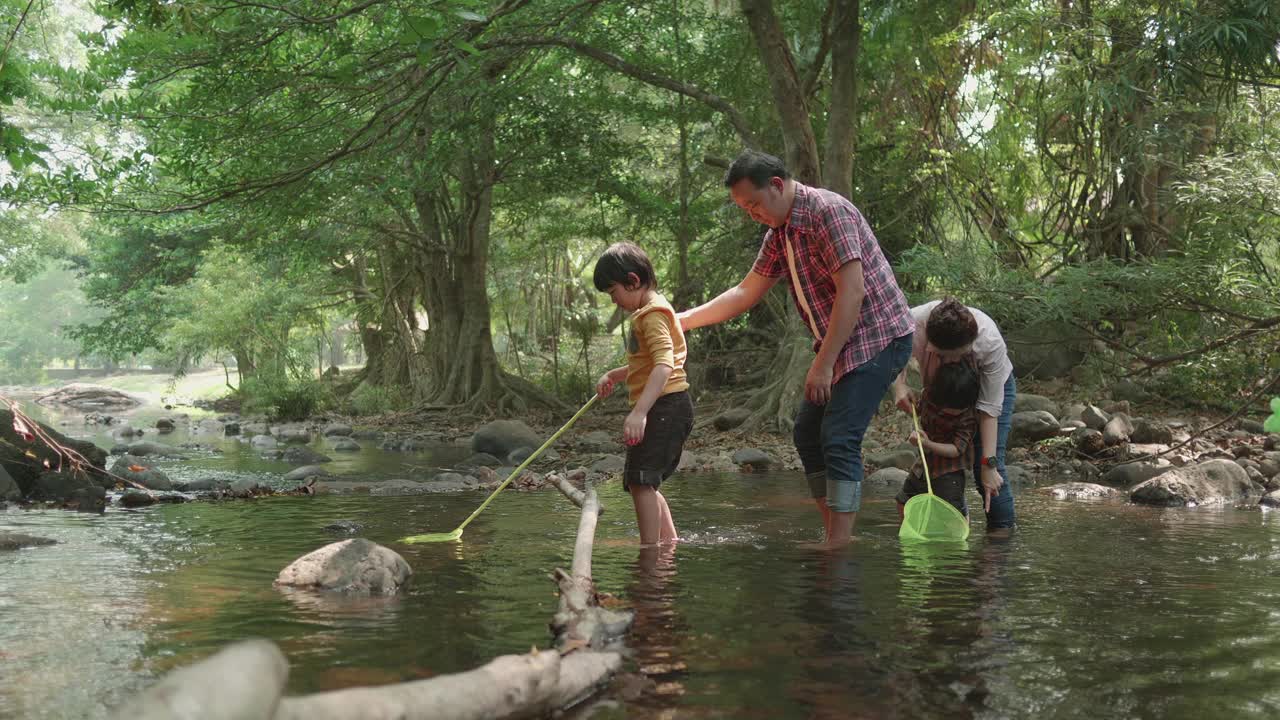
(947, 331)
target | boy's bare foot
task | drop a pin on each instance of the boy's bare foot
(827, 545)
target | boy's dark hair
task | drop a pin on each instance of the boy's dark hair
(951, 325)
(620, 260)
(955, 386)
(755, 166)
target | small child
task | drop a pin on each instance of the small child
(948, 422)
(661, 417)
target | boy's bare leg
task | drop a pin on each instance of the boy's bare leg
(667, 526)
(826, 516)
(648, 514)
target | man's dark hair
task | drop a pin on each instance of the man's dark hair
(757, 167)
(620, 260)
(955, 385)
(951, 325)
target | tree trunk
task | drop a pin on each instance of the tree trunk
(788, 92)
(846, 36)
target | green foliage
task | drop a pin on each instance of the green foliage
(369, 399)
(284, 398)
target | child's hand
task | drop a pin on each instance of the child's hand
(903, 397)
(633, 428)
(604, 386)
(918, 437)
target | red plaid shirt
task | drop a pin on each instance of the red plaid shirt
(941, 428)
(826, 231)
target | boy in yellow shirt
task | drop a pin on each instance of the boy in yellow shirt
(661, 416)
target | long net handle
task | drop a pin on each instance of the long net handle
(516, 473)
(920, 444)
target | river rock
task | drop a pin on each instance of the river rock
(1083, 491)
(84, 396)
(9, 489)
(200, 485)
(901, 458)
(134, 497)
(1028, 402)
(239, 682)
(146, 476)
(263, 442)
(889, 477)
(70, 489)
(500, 437)
(1093, 417)
(1088, 441)
(608, 464)
(303, 455)
(1128, 390)
(304, 472)
(1271, 499)
(346, 445)
(1130, 474)
(337, 430)
(17, 541)
(343, 527)
(165, 425)
(755, 457)
(1210, 482)
(731, 418)
(482, 460)
(146, 447)
(1147, 431)
(453, 482)
(292, 434)
(1250, 425)
(1033, 426)
(1117, 430)
(519, 455)
(352, 566)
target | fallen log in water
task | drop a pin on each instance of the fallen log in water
(245, 680)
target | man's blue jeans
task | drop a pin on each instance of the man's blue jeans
(1001, 514)
(829, 437)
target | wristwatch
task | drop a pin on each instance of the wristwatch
(988, 461)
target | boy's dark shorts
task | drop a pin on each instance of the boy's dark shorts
(669, 423)
(949, 487)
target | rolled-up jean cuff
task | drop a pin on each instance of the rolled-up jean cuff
(844, 495)
(817, 484)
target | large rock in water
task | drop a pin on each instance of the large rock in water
(83, 396)
(23, 468)
(9, 489)
(500, 437)
(1213, 481)
(1082, 491)
(1030, 427)
(72, 490)
(1027, 402)
(355, 566)
(241, 681)
(138, 470)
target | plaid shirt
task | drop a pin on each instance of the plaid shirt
(826, 231)
(957, 429)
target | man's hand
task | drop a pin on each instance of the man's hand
(903, 397)
(817, 383)
(633, 428)
(680, 318)
(991, 482)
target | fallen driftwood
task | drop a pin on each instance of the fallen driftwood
(245, 680)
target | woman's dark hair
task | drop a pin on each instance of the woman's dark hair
(955, 385)
(619, 261)
(951, 325)
(757, 167)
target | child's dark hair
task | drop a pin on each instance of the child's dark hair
(757, 167)
(620, 260)
(951, 325)
(955, 386)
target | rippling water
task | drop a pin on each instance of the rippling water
(1086, 611)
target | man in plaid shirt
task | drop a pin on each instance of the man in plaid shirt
(848, 299)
